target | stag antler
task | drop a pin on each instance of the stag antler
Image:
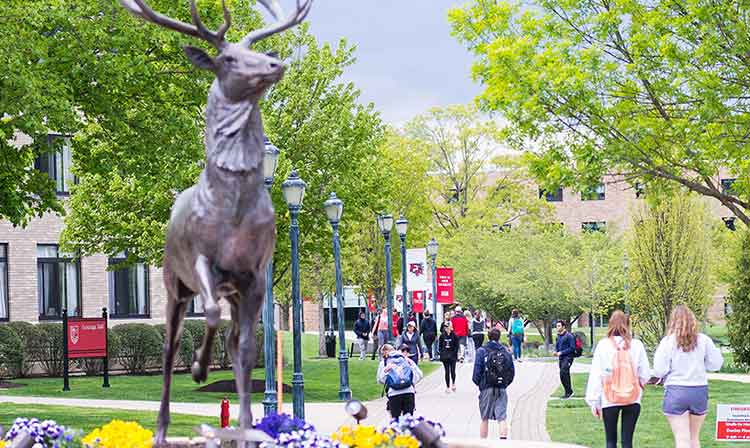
(273, 7)
(197, 29)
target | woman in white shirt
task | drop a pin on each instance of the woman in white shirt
(682, 360)
(616, 380)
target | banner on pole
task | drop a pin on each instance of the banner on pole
(416, 269)
(418, 301)
(445, 285)
(733, 422)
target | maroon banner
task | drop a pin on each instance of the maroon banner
(417, 298)
(87, 338)
(445, 285)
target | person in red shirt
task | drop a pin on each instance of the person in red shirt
(461, 329)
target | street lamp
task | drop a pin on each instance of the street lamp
(432, 251)
(270, 404)
(334, 208)
(294, 191)
(401, 226)
(385, 223)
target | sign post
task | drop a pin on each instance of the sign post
(732, 422)
(84, 338)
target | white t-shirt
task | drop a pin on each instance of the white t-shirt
(686, 369)
(601, 366)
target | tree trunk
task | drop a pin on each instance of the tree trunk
(321, 327)
(284, 314)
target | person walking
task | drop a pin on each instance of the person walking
(381, 325)
(493, 373)
(565, 349)
(470, 347)
(428, 331)
(399, 374)
(362, 330)
(461, 328)
(448, 352)
(410, 339)
(516, 333)
(478, 326)
(681, 361)
(619, 372)
(400, 324)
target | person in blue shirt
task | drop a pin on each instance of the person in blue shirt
(565, 349)
(493, 400)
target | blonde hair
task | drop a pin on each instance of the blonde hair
(467, 314)
(619, 325)
(684, 326)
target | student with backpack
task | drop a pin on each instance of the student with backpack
(565, 350)
(516, 333)
(618, 374)
(682, 360)
(399, 374)
(493, 373)
(448, 350)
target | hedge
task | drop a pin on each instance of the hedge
(140, 347)
(11, 352)
(50, 349)
(185, 353)
(32, 339)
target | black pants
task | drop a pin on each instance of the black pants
(401, 405)
(478, 340)
(630, 415)
(565, 364)
(429, 341)
(449, 365)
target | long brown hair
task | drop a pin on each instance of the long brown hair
(619, 325)
(684, 326)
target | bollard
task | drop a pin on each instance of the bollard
(224, 413)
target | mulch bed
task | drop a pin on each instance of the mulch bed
(229, 386)
(7, 385)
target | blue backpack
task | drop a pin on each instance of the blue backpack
(517, 327)
(400, 376)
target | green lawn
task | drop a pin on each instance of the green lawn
(571, 421)
(89, 418)
(321, 381)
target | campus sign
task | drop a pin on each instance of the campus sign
(416, 269)
(84, 338)
(733, 422)
(445, 285)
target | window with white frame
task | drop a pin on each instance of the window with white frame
(128, 288)
(195, 308)
(596, 193)
(58, 282)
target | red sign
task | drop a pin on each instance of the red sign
(732, 422)
(445, 285)
(87, 338)
(417, 298)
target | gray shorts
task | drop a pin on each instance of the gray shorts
(493, 404)
(681, 399)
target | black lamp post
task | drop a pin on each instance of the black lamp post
(294, 191)
(334, 208)
(270, 405)
(401, 226)
(432, 251)
(385, 223)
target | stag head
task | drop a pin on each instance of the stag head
(242, 73)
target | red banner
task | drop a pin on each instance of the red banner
(445, 285)
(87, 338)
(417, 298)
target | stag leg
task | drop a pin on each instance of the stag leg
(213, 316)
(175, 314)
(249, 306)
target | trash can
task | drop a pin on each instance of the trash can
(331, 345)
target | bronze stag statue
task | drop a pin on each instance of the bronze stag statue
(221, 231)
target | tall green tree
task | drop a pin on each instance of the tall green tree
(653, 89)
(669, 249)
(738, 321)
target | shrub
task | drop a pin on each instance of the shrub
(31, 338)
(197, 328)
(738, 321)
(226, 360)
(185, 353)
(11, 352)
(95, 366)
(140, 347)
(51, 348)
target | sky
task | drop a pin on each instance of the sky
(407, 61)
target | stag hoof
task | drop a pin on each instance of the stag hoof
(199, 373)
(160, 439)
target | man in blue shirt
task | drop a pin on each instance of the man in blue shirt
(493, 400)
(565, 349)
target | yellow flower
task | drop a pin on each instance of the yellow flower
(120, 434)
(405, 442)
(2, 444)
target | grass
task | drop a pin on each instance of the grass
(321, 381)
(571, 421)
(88, 419)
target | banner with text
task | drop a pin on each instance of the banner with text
(445, 285)
(733, 422)
(87, 338)
(416, 269)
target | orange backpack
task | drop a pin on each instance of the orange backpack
(622, 386)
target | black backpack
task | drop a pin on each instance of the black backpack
(498, 371)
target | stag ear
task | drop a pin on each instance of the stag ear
(200, 58)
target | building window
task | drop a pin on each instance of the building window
(57, 164)
(196, 306)
(58, 282)
(128, 288)
(730, 223)
(727, 186)
(593, 193)
(551, 196)
(594, 226)
(640, 190)
(4, 282)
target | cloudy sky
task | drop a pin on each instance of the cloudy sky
(407, 60)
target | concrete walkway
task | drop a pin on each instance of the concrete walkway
(458, 412)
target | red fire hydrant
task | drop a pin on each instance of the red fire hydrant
(224, 413)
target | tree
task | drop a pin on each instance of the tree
(669, 250)
(654, 90)
(600, 272)
(738, 321)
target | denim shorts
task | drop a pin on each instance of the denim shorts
(681, 399)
